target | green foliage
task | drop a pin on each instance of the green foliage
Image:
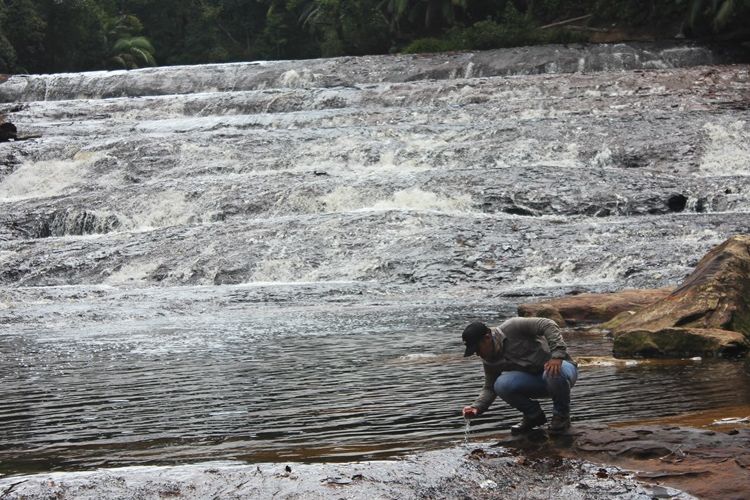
(283, 36)
(351, 27)
(515, 29)
(718, 15)
(422, 15)
(132, 53)
(24, 30)
(182, 31)
(130, 49)
(7, 56)
(76, 35)
(431, 45)
(124, 26)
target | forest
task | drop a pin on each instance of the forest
(52, 36)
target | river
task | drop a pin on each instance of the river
(274, 261)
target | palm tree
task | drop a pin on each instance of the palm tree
(132, 53)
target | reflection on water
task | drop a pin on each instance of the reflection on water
(271, 382)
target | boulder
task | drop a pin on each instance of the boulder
(680, 343)
(592, 307)
(703, 462)
(708, 315)
(711, 461)
(8, 131)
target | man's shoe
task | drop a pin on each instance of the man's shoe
(559, 423)
(528, 423)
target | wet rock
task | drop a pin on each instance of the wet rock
(542, 311)
(71, 221)
(715, 297)
(677, 203)
(438, 474)
(705, 463)
(680, 343)
(8, 132)
(592, 307)
(345, 71)
(230, 276)
(79, 222)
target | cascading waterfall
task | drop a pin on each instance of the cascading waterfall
(244, 261)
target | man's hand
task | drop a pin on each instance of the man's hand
(470, 411)
(552, 367)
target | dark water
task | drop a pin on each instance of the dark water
(250, 380)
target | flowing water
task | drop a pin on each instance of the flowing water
(269, 262)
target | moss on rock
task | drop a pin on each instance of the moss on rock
(680, 343)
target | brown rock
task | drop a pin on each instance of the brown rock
(592, 307)
(715, 296)
(693, 320)
(702, 462)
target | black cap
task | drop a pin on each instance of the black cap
(472, 335)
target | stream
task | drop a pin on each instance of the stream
(274, 261)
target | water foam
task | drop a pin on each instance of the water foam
(535, 152)
(48, 178)
(727, 151)
(169, 208)
(569, 272)
(411, 152)
(283, 270)
(348, 199)
(132, 273)
(418, 357)
(603, 158)
(295, 79)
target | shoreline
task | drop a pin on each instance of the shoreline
(478, 470)
(641, 459)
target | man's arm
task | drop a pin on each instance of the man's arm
(558, 348)
(487, 395)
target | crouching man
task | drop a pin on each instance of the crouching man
(524, 359)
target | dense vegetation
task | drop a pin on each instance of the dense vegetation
(42, 36)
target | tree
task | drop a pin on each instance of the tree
(352, 27)
(75, 36)
(239, 24)
(282, 35)
(25, 32)
(132, 53)
(7, 56)
(130, 50)
(425, 15)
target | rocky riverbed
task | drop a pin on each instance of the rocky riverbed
(482, 472)
(635, 461)
(263, 263)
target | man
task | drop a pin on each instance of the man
(524, 359)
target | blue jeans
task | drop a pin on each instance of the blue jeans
(518, 388)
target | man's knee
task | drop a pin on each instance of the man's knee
(507, 386)
(571, 372)
(568, 373)
(554, 379)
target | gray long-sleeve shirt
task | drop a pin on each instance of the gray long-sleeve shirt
(520, 344)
